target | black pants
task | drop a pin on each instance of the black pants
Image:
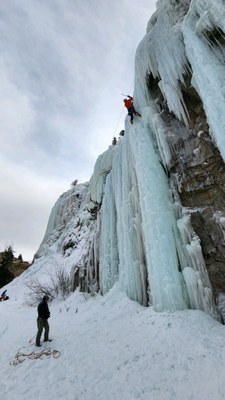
(42, 324)
(131, 112)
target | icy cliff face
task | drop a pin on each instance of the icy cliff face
(185, 90)
(152, 216)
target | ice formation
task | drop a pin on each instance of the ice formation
(129, 226)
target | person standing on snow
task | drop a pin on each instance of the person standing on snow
(128, 103)
(42, 320)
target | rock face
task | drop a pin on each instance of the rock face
(197, 170)
(10, 266)
(18, 267)
(200, 170)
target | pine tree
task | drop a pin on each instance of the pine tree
(20, 258)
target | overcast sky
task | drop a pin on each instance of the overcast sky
(63, 67)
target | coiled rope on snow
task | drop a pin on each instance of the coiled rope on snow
(21, 356)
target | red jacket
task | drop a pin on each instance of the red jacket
(128, 102)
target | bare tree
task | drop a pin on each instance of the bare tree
(58, 286)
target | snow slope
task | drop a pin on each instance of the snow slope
(112, 348)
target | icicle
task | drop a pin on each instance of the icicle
(108, 243)
(162, 53)
(207, 60)
(193, 268)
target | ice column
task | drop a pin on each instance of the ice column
(158, 218)
(122, 252)
(133, 274)
(108, 244)
(193, 268)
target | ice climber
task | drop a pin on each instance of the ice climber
(128, 103)
(42, 321)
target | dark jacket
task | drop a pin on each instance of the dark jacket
(43, 310)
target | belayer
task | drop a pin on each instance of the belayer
(128, 103)
(42, 320)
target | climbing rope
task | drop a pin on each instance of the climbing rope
(21, 356)
(122, 112)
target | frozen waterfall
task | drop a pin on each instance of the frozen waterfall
(134, 229)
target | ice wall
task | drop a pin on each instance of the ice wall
(150, 244)
(143, 244)
(161, 54)
(183, 37)
(135, 230)
(204, 37)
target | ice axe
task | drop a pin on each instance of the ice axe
(125, 94)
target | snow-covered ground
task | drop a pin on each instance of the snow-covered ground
(112, 348)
